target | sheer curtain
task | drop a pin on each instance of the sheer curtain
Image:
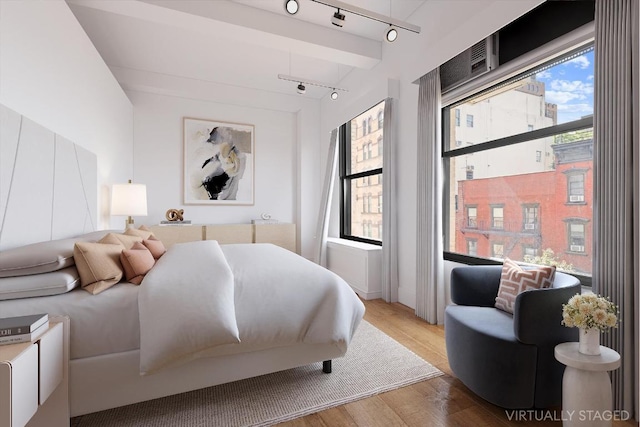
(615, 187)
(389, 206)
(430, 293)
(320, 256)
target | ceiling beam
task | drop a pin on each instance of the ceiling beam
(236, 21)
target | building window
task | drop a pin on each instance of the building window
(469, 174)
(575, 187)
(360, 181)
(497, 217)
(497, 250)
(529, 128)
(379, 146)
(472, 247)
(515, 170)
(457, 117)
(576, 236)
(469, 120)
(530, 220)
(472, 216)
(529, 253)
(380, 119)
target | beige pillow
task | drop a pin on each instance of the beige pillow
(120, 239)
(136, 262)
(155, 246)
(514, 279)
(98, 265)
(145, 234)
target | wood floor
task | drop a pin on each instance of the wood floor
(441, 401)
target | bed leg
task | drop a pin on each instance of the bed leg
(326, 366)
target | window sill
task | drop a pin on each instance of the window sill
(353, 244)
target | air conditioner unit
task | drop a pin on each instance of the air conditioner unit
(576, 248)
(576, 198)
(529, 226)
(473, 62)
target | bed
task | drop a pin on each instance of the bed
(204, 314)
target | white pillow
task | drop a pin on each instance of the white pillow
(39, 285)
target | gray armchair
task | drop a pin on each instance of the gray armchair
(507, 359)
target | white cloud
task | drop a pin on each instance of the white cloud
(563, 91)
(581, 62)
(545, 74)
(581, 109)
(590, 77)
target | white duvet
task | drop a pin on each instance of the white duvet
(202, 299)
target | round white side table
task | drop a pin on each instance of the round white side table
(586, 387)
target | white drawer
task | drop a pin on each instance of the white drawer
(50, 347)
(19, 387)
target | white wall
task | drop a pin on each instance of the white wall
(406, 60)
(51, 73)
(158, 158)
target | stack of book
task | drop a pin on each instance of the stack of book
(19, 329)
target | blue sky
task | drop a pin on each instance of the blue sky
(570, 86)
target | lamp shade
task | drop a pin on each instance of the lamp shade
(129, 199)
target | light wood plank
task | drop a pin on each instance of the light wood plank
(440, 401)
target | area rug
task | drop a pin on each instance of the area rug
(374, 363)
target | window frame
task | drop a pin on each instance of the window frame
(344, 138)
(448, 153)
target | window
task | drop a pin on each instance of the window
(472, 247)
(380, 119)
(469, 120)
(576, 236)
(529, 128)
(457, 117)
(472, 216)
(360, 181)
(497, 250)
(575, 187)
(504, 169)
(497, 216)
(530, 222)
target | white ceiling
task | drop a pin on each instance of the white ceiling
(244, 43)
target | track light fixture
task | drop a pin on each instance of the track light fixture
(338, 19)
(392, 33)
(301, 88)
(291, 6)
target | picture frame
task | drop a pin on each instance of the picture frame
(219, 162)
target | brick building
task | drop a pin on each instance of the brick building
(522, 215)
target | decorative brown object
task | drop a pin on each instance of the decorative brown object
(175, 215)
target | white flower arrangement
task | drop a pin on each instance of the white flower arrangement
(589, 311)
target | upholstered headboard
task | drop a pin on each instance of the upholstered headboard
(48, 184)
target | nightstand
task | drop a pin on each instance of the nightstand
(34, 379)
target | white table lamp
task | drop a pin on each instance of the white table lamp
(129, 199)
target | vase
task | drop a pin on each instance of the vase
(589, 343)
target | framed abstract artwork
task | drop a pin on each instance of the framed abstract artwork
(218, 162)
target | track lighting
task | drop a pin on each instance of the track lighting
(338, 19)
(392, 34)
(291, 6)
(301, 88)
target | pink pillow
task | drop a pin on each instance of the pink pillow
(137, 262)
(514, 279)
(155, 246)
